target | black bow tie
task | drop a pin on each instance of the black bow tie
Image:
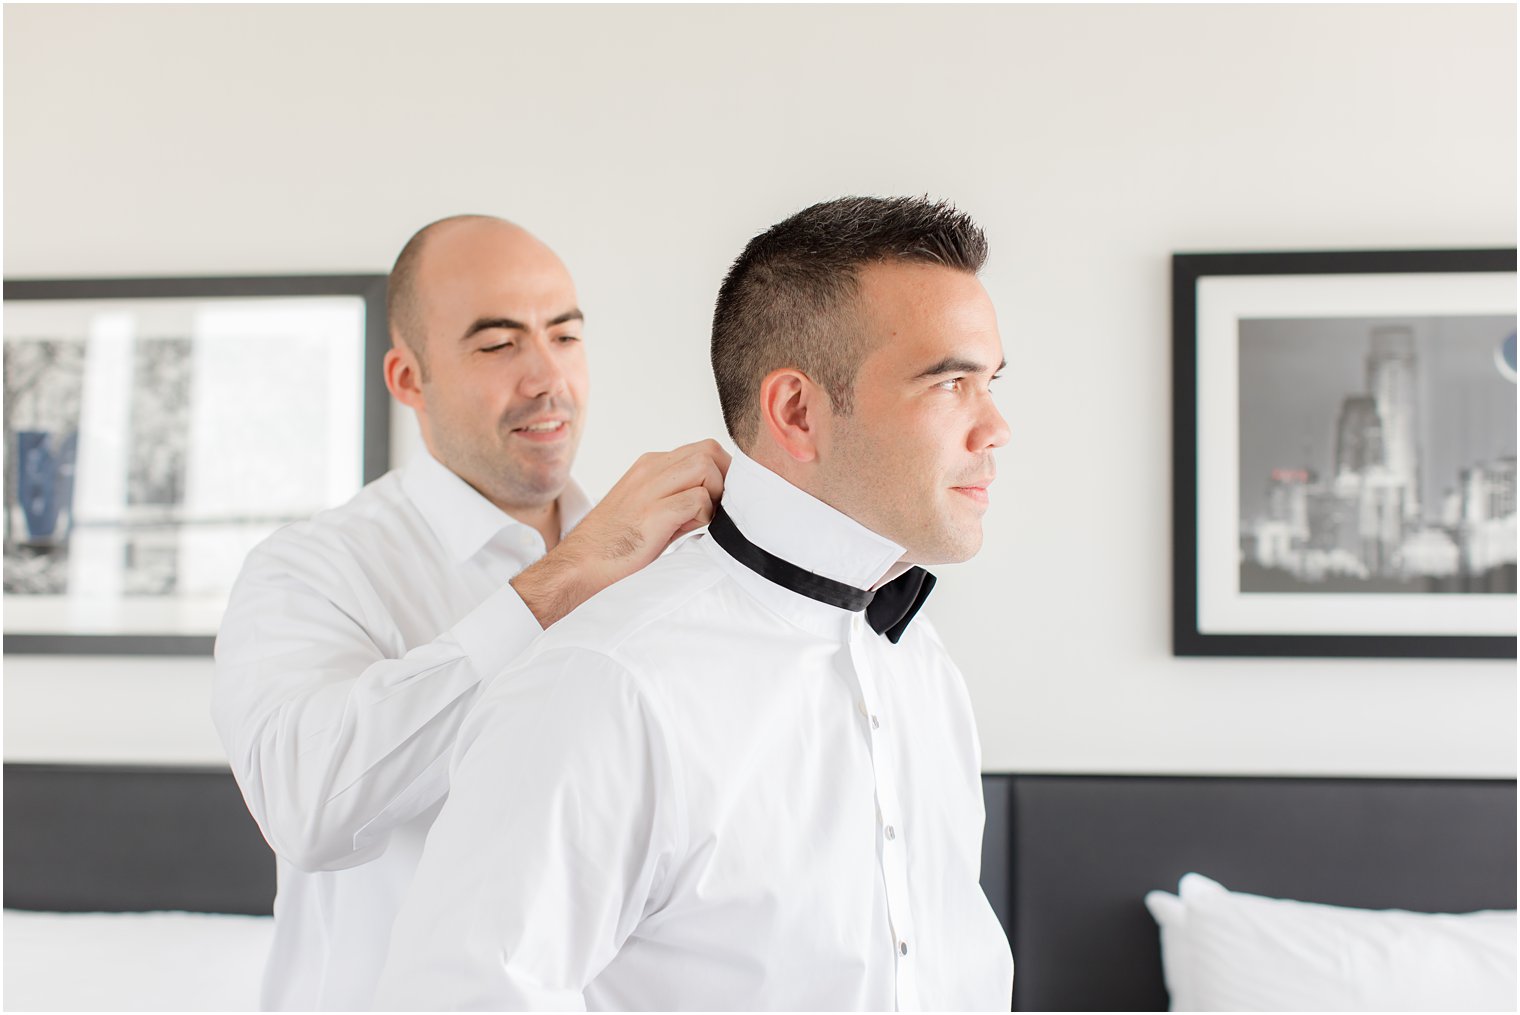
(889, 609)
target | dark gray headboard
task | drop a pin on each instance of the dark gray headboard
(1066, 860)
(1083, 851)
(99, 838)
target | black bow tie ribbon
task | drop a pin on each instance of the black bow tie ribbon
(889, 609)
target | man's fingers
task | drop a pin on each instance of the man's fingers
(691, 466)
(666, 490)
(707, 450)
(708, 447)
(709, 482)
(720, 457)
(712, 482)
(688, 510)
(689, 505)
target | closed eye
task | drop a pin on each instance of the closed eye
(493, 348)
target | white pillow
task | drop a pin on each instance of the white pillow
(1228, 951)
(153, 962)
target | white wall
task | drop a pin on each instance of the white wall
(648, 144)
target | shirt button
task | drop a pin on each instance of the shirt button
(890, 833)
(903, 947)
(860, 707)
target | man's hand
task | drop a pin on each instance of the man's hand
(665, 495)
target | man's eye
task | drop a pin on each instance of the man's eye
(493, 348)
(954, 384)
(568, 338)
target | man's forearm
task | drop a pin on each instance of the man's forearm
(661, 497)
(558, 583)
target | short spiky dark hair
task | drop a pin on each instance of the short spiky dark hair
(780, 304)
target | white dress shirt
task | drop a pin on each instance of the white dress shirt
(353, 646)
(704, 791)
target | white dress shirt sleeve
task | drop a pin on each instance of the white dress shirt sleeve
(334, 742)
(560, 829)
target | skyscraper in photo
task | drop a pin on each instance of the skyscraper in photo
(1358, 437)
(1501, 487)
(1391, 381)
(1376, 497)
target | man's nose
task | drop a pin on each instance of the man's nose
(991, 430)
(542, 372)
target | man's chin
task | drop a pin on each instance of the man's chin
(960, 529)
(941, 553)
(956, 547)
(527, 488)
(542, 464)
(538, 490)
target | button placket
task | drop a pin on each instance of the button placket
(865, 659)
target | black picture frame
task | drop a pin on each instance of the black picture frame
(374, 428)
(1189, 271)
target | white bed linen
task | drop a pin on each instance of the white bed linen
(1232, 951)
(134, 961)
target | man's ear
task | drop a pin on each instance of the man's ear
(795, 412)
(403, 376)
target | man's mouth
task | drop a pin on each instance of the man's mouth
(976, 491)
(544, 429)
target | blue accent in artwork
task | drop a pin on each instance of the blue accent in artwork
(45, 481)
(37, 483)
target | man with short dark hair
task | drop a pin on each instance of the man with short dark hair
(747, 777)
(356, 643)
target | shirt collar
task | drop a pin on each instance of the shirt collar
(803, 530)
(461, 518)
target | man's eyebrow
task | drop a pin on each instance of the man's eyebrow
(506, 323)
(956, 365)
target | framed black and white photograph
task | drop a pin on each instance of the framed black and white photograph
(157, 429)
(1344, 453)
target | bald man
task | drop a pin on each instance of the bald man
(356, 643)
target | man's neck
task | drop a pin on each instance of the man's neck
(545, 519)
(835, 562)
